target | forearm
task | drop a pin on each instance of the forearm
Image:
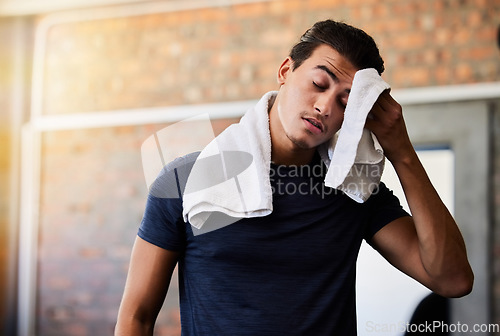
(441, 246)
(147, 284)
(133, 318)
(131, 326)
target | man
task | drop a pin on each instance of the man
(292, 272)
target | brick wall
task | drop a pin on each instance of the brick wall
(232, 53)
(93, 189)
(92, 198)
(90, 206)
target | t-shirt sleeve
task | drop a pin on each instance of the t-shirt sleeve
(384, 208)
(162, 223)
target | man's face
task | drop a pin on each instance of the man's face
(312, 98)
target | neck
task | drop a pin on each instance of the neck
(283, 150)
(292, 157)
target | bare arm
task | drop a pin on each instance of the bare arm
(147, 283)
(427, 246)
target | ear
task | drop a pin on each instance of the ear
(284, 69)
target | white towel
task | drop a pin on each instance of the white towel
(244, 190)
(354, 157)
(241, 188)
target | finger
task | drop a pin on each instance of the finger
(387, 109)
(379, 114)
(377, 111)
(387, 100)
(381, 105)
(372, 125)
(376, 115)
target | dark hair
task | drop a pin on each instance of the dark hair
(351, 42)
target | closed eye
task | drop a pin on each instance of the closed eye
(343, 103)
(321, 87)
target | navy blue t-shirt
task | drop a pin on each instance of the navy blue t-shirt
(289, 273)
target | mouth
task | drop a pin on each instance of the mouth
(316, 124)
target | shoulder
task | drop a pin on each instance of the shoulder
(383, 199)
(382, 194)
(182, 162)
(384, 207)
(172, 179)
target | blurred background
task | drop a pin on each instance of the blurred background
(83, 83)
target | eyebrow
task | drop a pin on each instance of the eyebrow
(331, 74)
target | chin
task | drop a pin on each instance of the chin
(305, 140)
(304, 143)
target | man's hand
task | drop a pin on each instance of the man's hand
(387, 123)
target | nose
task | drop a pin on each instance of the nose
(325, 103)
(333, 100)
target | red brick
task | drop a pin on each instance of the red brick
(92, 252)
(486, 34)
(442, 75)
(287, 6)
(463, 72)
(414, 76)
(213, 14)
(323, 4)
(478, 53)
(250, 10)
(474, 19)
(60, 283)
(409, 41)
(76, 329)
(462, 36)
